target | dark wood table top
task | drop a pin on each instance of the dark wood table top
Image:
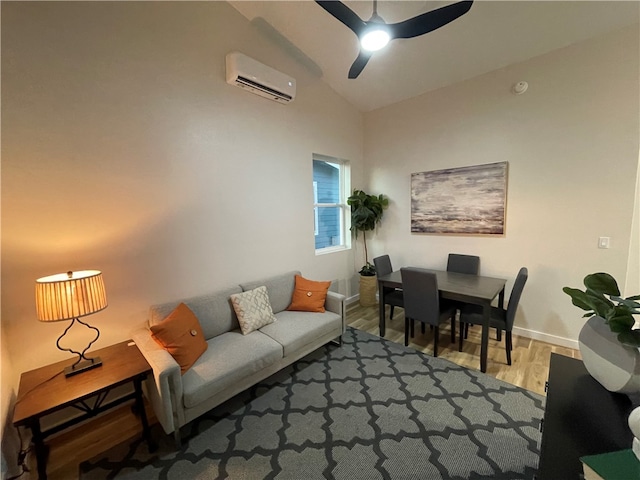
(46, 389)
(457, 286)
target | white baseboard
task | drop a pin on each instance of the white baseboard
(547, 338)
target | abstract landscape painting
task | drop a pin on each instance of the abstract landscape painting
(466, 200)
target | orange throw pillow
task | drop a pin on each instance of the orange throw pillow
(181, 335)
(309, 296)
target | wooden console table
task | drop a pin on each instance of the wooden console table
(581, 418)
(46, 390)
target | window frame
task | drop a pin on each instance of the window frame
(344, 180)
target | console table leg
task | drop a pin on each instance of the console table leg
(40, 448)
(143, 415)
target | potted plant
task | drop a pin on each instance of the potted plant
(366, 213)
(609, 342)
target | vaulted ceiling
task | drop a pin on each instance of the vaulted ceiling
(491, 35)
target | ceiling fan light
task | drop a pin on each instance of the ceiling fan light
(374, 40)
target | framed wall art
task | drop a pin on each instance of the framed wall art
(466, 200)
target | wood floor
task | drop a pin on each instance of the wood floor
(529, 370)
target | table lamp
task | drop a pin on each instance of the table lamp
(69, 296)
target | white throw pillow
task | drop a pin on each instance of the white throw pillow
(253, 309)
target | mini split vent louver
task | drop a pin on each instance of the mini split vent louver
(255, 77)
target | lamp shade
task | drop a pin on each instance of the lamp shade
(65, 296)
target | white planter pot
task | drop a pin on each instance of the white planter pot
(634, 425)
(615, 366)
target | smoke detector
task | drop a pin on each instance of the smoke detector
(520, 87)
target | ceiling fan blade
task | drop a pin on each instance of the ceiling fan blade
(344, 14)
(359, 63)
(427, 22)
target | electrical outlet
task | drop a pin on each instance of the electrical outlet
(603, 242)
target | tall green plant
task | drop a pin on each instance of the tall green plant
(602, 298)
(366, 213)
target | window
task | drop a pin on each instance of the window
(330, 191)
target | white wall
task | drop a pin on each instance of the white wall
(632, 286)
(572, 146)
(124, 150)
(10, 445)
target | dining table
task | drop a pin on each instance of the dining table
(475, 289)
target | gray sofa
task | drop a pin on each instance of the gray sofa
(232, 362)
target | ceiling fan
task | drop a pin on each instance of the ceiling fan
(375, 33)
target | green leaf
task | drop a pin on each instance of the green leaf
(629, 302)
(602, 283)
(578, 297)
(621, 324)
(368, 270)
(600, 304)
(589, 300)
(630, 338)
(602, 296)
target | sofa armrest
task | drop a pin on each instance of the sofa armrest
(335, 303)
(164, 391)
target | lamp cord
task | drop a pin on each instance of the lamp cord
(22, 456)
(18, 400)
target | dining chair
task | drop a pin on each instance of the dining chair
(422, 303)
(500, 318)
(392, 296)
(468, 264)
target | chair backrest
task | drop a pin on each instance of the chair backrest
(383, 265)
(458, 263)
(516, 293)
(421, 298)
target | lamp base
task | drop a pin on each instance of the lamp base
(82, 366)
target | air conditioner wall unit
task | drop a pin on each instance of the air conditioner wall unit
(258, 78)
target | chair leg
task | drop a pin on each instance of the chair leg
(498, 334)
(406, 331)
(508, 345)
(466, 330)
(413, 328)
(422, 327)
(391, 313)
(436, 334)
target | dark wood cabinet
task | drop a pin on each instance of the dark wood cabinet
(581, 418)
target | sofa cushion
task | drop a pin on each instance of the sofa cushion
(309, 295)
(229, 358)
(180, 334)
(214, 312)
(279, 288)
(294, 330)
(253, 309)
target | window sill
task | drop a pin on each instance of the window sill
(339, 248)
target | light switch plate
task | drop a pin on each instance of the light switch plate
(603, 242)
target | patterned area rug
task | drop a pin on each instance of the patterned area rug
(369, 409)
